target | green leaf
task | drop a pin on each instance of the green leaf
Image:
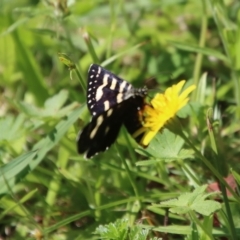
(30, 69)
(138, 233)
(51, 140)
(236, 176)
(203, 50)
(52, 107)
(193, 201)
(15, 170)
(116, 231)
(202, 89)
(116, 56)
(11, 127)
(206, 207)
(12, 206)
(166, 145)
(174, 229)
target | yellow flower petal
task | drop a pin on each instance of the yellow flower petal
(147, 138)
(162, 108)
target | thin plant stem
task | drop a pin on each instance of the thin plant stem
(199, 58)
(134, 186)
(223, 188)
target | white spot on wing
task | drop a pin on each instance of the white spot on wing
(99, 91)
(106, 105)
(91, 76)
(109, 112)
(94, 131)
(113, 84)
(127, 91)
(119, 97)
(122, 86)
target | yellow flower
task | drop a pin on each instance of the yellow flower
(162, 108)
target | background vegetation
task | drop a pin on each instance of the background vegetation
(48, 191)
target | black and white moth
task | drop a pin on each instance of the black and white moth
(112, 102)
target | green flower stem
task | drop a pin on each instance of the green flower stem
(65, 59)
(82, 82)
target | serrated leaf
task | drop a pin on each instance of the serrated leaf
(117, 230)
(193, 201)
(11, 127)
(186, 153)
(180, 210)
(206, 207)
(166, 145)
(56, 102)
(29, 109)
(138, 233)
(52, 107)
